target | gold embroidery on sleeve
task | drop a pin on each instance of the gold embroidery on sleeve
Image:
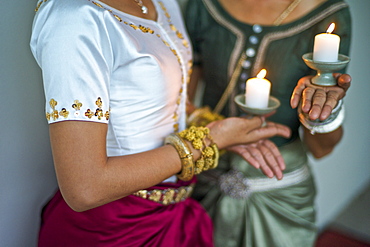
(64, 113)
(77, 105)
(54, 114)
(89, 113)
(107, 114)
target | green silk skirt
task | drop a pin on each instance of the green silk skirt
(270, 213)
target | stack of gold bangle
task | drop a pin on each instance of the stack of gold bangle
(196, 136)
(186, 156)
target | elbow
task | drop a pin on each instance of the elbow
(78, 207)
(322, 145)
(80, 201)
(318, 154)
(78, 204)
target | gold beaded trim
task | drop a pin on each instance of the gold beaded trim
(166, 196)
(98, 113)
(39, 5)
(173, 27)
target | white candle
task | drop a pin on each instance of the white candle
(326, 46)
(257, 91)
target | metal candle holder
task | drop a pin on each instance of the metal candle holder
(325, 70)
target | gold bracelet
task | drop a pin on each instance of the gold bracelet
(195, 135)
(216, 156)
(209, 154)
(186, 156)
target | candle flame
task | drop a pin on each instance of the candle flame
(262, 74)
(331, 28)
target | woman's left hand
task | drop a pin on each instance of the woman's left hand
(319, 101)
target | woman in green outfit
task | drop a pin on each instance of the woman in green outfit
(232, 41)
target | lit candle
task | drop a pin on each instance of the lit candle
(258, 91)
(326, 46)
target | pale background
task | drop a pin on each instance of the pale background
(27, 177)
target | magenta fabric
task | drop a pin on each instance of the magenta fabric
(130, 221)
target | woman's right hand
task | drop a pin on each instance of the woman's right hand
(237, 130)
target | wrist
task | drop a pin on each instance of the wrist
(196, 150)
(333, 122)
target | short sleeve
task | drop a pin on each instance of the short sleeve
(70, 43)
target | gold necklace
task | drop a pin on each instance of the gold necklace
(144, 9)
(286, 12)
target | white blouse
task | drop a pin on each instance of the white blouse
(103, 65)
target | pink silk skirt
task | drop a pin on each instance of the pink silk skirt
(130, 221)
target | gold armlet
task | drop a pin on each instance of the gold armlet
(186, 156)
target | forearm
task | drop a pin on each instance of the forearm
(88, 178)
(321, 145)
(92, 185)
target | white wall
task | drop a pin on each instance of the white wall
(26, 171)
(26, 168)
